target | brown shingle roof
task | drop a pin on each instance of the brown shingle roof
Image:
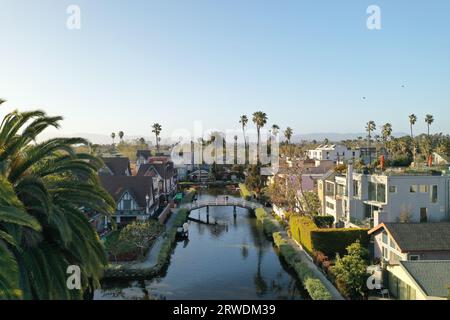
(139, 187)
(118, 165)
(159, 167)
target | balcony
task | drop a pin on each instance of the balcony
(366, 223)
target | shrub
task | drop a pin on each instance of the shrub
(245, 193)
(261, 214)
(329, 241)
(181, 217)
(317, 290)
(278, 239)
(324, 221)
(351, 272)
(269, 227)
(289, 254)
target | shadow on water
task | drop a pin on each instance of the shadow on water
(229, 259)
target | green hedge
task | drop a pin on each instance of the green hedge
(278, 239)
(261, 214)
(324, 221)
(329, 241)
(245, 193)
(317, 290)
(269, 227)
(314, 286)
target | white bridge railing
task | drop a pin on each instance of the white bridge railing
(223, 202)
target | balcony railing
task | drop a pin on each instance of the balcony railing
(366, 223)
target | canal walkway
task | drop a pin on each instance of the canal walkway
(306, 259)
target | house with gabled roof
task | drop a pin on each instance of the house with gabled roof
(142, 156)
(395, 242)
(419, 280)
(135, 197)
(115, 166)
(163, 175)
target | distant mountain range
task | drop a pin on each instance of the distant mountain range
(319, 137)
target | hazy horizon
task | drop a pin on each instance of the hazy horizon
(314, 67)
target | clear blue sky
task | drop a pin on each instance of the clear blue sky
(306, 63)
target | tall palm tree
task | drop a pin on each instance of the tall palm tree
(121, 134)
(43, 230)
(156, 129)
(370, 127)
(386, 133)
(429, 119)
(412, 122)
(243, 121)
(113, 137)
(288, 134)
(260, 120)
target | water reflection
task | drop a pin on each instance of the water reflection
(230, 258)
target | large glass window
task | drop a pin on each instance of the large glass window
(329, 189)
(434, 194)
(340, 190)
(423, 188)
(385, 238)
(377, 192)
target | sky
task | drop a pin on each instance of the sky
(307, 64)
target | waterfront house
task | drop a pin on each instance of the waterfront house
(363, 199)
(115, 166)
(419, 280)
(142, 156)
(395, 242)
(163, 175)
(135, 197)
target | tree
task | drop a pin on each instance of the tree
(260, 120)
(412, 122)
(113, 137)
(156, 129)
(121, 134)
(370, 127)
(43, 230)
(288, 134)
(243, 121)
(141, 234)
(386, 133)
(351, 271)
(429, 119)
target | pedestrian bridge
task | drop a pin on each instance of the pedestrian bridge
(223, 203)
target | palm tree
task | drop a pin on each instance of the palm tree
(113, 136)
(2, 101)
(121, 134)
(156, 129)
(260, 120)
(370, 127)
(43, 230)
(243, 121)
(288, 134)
(412, 122)
(386, 132)
(429, 119)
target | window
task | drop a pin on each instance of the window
(423, 189)
(126, 204)
(414, 258)
(329, 189)
(355, 188)
(340, 190)
(330, 205)
(413, 189)
(385, 237)
(423, 215)
(392, 189)
(385, 254)
(377, 192)
(434, 194)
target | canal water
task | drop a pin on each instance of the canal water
(228, 259)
